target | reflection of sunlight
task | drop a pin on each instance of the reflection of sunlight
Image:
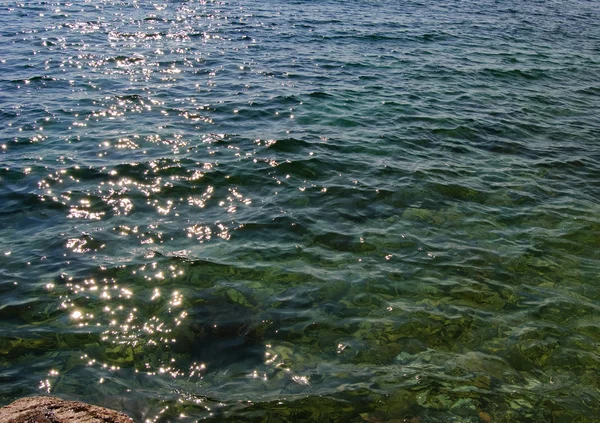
(45, 385)
(176, 299)
(131, 338)
(256, 375)
(140, 329)
(77, 245)
(204, 232)
(301, 380)
(76, 213)
(199, 232)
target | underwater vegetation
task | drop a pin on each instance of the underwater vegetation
(394, 347)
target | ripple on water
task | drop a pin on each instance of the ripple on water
(301, 211)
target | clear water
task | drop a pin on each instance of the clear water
(302, 211)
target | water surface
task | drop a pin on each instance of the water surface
(302, 211)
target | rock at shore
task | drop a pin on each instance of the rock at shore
(56, 410)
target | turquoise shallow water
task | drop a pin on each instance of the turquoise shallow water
(302, 211)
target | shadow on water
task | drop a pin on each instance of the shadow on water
(222, 336)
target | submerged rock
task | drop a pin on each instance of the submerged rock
(56, 410)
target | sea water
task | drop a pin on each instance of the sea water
(303, 211)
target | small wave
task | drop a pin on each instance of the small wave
(125, 59)
(42, 78)
(320, 94)
(451, 192)
(518, 74)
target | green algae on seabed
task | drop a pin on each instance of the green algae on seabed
(429, 337)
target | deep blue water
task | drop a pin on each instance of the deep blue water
(336, 211)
